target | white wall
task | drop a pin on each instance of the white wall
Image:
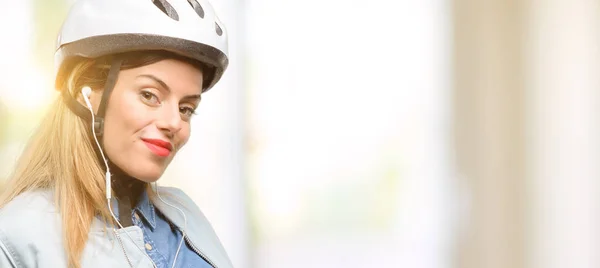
(564, 72)
(349, 128)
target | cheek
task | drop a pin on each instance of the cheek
(126, 114)
(184, 136)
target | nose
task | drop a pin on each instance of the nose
(170, 121)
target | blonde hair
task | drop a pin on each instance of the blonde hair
(61, 155)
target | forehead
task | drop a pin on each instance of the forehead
(180, 77)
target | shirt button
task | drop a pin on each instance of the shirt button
(148, 247)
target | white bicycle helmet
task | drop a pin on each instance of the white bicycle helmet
(96, 28)
(190, 28)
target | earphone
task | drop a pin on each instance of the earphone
(86, 92)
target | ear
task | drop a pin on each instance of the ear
(94, 97)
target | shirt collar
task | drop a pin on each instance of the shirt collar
(146, 210)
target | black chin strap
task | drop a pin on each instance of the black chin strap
(75, 106)
(128, 191)
(111, 80)
(127, 188)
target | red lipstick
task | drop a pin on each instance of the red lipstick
(159, 147)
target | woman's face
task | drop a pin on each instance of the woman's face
(148, 116)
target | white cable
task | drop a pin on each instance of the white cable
(184, 223)
(86, 91)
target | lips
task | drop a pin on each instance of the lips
(159, 147)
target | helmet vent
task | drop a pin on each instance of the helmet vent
(197, 7)
(218, 29)
(166, 8)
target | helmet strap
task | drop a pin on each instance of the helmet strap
(83, 112)
(111, 80)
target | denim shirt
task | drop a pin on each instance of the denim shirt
(162, 238)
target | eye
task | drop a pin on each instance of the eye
(187, 111)
(149, 98)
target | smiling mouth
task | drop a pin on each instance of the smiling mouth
(158, 147)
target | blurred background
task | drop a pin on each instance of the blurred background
(412, 133)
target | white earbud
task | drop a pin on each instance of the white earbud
(86, 92)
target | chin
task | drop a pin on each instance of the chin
(148, 178)
(149, 174)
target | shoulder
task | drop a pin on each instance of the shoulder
(173, 194)
(29, 219)
(177, 197)
(198, 228)
(33, 207)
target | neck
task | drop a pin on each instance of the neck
(125, 187)
(127, 190)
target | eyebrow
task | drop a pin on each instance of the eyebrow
(166, 87)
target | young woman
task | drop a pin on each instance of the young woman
(131, 74)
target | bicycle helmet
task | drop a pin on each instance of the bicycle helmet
(95, 28)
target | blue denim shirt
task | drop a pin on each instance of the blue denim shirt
(161, 238)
